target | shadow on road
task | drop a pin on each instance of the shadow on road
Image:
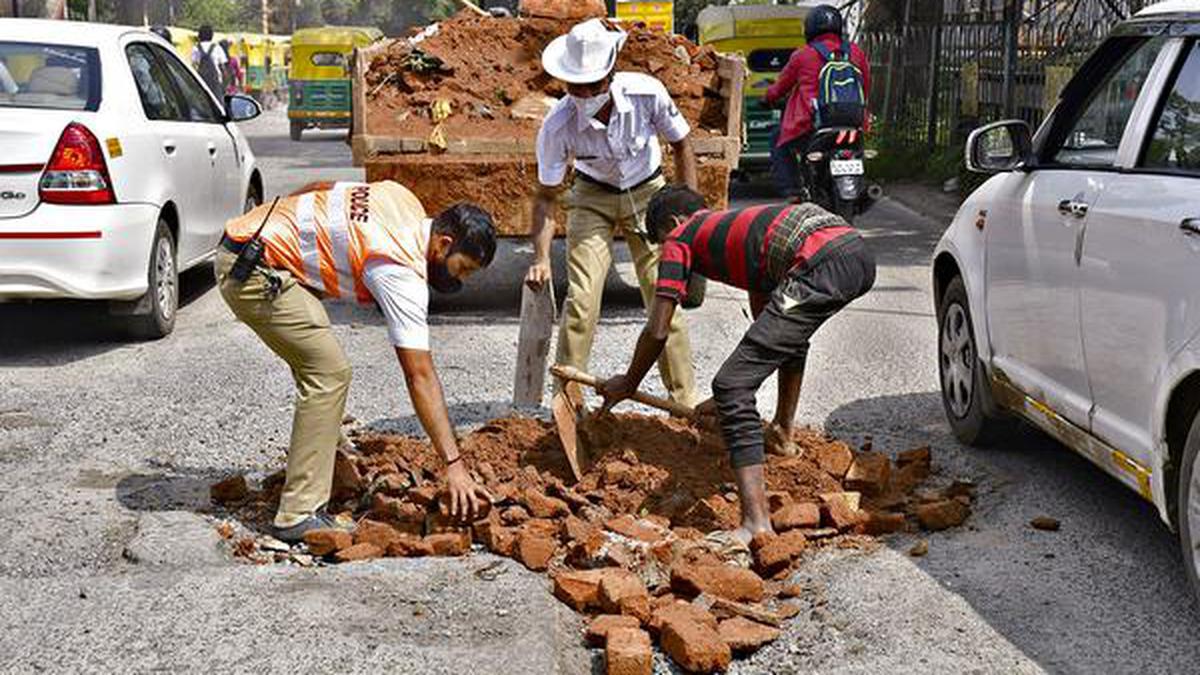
(1114, 563)
(56, 332)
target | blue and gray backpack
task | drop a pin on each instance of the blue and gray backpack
(841, 100)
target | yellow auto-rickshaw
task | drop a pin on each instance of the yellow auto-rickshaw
(765, 35)
(281, 49)
(660, 14)
(257, 66)
(319, 79)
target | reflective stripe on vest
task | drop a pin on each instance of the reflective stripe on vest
(339, 240)
(310, 254)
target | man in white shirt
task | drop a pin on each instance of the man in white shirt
(209, 59)
(607, 128)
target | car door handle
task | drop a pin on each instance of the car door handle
(169, 147)
(1190, 226)
(1070, 207)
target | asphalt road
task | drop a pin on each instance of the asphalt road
(107, 448)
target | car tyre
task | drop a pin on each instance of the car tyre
(966, 392)
(162, 295)
(1187, 509)
(296, 130)
(253, 200)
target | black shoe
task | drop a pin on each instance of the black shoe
(321, 520)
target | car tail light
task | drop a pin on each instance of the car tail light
(77, 172)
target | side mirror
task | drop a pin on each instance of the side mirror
(1000, 146)
(241, 108)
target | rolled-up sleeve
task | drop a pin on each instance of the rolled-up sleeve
(552, 156)
(403, 296)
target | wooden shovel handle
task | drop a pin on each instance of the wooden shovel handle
(571, 374)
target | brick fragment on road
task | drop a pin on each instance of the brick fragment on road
(598, 628)
(229, 491)
(841, 509)
(535, 550)
(324, 542)
(921, 455)
(696, 647)
(375, 532)
(795, 515)
(745, 636)
(636, 528)
(578, 590)
(627, 651)
(357, 552)
(919, 549)
(869, 473)
(623, 592)
(541, 505)
(883, 522)
(775, 553)
(449, 544)
(727, 581)
(1045, 523)
(943, 514)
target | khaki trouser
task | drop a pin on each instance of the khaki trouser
(296, 327)
(593, 217)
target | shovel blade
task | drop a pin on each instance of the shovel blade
(567, 407)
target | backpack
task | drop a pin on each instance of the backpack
(209, 73)
(841, 99)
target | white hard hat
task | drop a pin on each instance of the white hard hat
(586, 54)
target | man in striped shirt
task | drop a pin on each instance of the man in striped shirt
(801, 265)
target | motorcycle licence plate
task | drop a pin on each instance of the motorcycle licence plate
(846, 167)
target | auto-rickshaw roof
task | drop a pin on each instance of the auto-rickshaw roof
(336, 35)
(744, 21)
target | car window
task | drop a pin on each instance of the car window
(1093, 138)
(159, 99)
(61, 77)
(198, 105)
(1175, 144)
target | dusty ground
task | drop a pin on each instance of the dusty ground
(108, 446)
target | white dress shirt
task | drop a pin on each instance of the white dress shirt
(622, 153)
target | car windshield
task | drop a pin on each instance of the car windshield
(59, 77)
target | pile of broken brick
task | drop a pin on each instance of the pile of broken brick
(631, 544)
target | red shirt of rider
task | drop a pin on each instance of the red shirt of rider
(798, 82)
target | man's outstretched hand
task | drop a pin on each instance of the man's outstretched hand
(706, 415)
(614, 390)
(467, 498)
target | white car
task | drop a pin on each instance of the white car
(118, 168)
(1067, 286)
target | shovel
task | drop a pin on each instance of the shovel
(569, 408)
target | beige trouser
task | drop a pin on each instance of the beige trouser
(593, 217)
(296, 327)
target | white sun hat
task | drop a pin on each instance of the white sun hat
(585, 55)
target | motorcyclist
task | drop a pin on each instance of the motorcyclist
(798, 85)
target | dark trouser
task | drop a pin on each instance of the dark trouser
(780, 336)
(785, 166)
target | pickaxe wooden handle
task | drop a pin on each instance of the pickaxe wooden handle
(571, 374)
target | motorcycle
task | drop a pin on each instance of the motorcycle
(834, 170)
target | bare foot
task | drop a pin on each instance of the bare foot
(779, 441)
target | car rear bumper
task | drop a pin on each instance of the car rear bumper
(86, 252)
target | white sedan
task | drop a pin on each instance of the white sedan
(119, 168)
(1066, 287)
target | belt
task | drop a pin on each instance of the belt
(608, 187)
(234, 247)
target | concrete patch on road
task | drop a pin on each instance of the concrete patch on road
(175, 539)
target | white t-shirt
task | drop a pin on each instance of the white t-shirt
(219, 58)
(404, 298)
(622, 153)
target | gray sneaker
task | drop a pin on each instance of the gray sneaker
(321, 520)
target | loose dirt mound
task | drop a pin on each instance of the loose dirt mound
(489, 68)
(628, 541)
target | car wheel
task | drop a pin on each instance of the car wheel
(296, 129)
(1187, 510)
(162, 296)
(966, 395)
(253, 200)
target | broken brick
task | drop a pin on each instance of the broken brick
(576, 529)
(1045, 523)
(799, 514)
(622, 592)
(542, 527)
(535, 550)
(727, 581)
(745, 636)
(942, 514)
(921, 455)
(675, 608)
(449, 544)
(615, 471)
(348, 482)
(578, 590)
(627, 651)
(424, 497)
(882, 522)
(597, 630)
(869, 473)
(835, 459)
(544, 506)
(696, 647)
(364, 551)
(777, 553)
(635, 528)
(778, 499)
(909, 476)
(229, 491)
(375, 532)
(840, 509)
(409, 546)
(590, 551)
(514, 515)
(324, 542)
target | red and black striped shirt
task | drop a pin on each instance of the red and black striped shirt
(752, 248)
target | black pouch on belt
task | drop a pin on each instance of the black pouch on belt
(252, 252)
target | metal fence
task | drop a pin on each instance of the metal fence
(937, 72)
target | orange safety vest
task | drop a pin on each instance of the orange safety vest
(325, 239)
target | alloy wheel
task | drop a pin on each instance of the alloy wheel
(164, 270)
(958, 360)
